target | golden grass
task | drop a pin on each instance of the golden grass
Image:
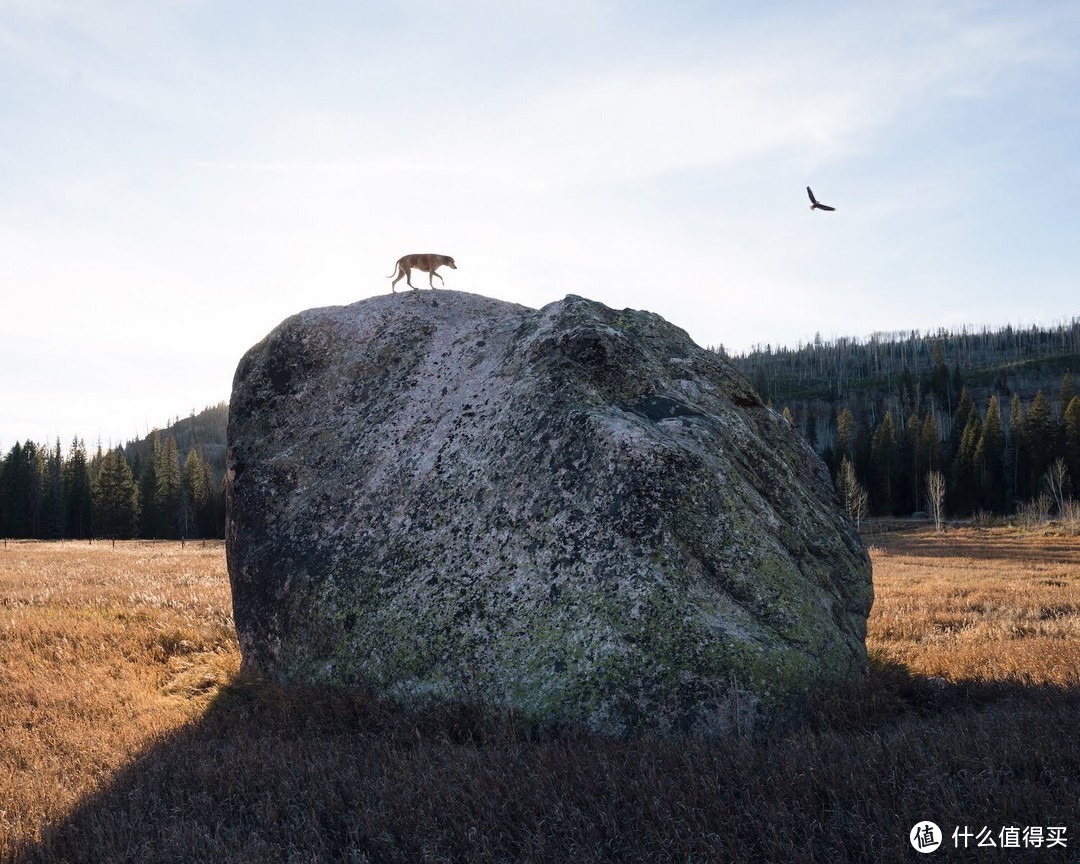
(128, 735)
(102, 650)
(981, 605)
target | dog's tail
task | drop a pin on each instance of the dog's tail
(397, 269)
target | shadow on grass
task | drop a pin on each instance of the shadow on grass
(990, 547)
(267, 775)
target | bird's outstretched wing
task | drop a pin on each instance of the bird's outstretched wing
(815, 204)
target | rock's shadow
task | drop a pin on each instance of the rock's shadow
(992, 549)
(266, 776)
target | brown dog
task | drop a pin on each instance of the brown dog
(428, 262)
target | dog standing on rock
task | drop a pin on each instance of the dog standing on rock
(428, 262)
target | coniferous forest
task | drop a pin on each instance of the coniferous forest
(994, 415)
(169, 485)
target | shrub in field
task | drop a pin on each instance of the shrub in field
(985, 519)
(1031, 514)
(1070, 514)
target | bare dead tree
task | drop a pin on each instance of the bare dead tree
(852, 494)
(1056, 476)
(935, 498)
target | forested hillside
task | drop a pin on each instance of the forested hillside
(168, 485)
(995, 412)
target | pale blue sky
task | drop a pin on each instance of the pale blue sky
(176, 177)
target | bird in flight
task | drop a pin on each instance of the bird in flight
(814, 205)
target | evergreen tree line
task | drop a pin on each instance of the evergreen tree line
(993, 458)
(976, 406)
(46, 495)
(830, 369)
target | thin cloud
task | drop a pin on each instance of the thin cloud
(235, 163)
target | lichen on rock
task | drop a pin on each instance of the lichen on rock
(574, 512)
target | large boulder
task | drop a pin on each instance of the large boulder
(575, 512)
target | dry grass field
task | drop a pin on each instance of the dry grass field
(103, 651)
(126, 733)
(979, 605)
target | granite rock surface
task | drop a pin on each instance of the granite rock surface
(575, 512)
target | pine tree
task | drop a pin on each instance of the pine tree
(1016, 455)
(53, 508)
(14, 520)
(845, 434)
(965, 473)
(20, 491)
(150, 518)
(167, 493)
(1065, 396)
(116, 498)
(194, 494)
(913, 461)
(95, 462)
(1072, 442)
(960, 418)
(1066, 393)
(990, 459)
(78, 493)
(883, 460)
(35, 456)
(1039, 432)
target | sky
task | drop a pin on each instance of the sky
(178, 177)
